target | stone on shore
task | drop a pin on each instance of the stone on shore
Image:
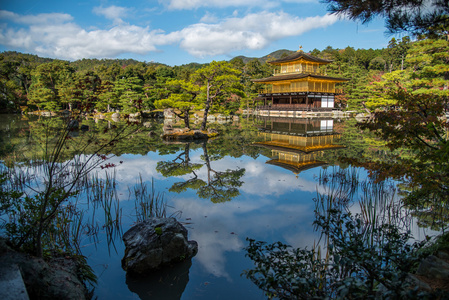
(55, 279)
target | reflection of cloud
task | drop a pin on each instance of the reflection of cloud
(223, 228)
(303, 238)
(133, 165)
(129, 171)
(260, 179)
(211, 232)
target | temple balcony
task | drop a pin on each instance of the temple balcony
(294, 107)
(309, 71)
(281, 89)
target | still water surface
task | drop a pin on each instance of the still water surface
(270, 172)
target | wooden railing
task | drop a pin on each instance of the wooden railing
(302, 107)
(290, 90)
(278, 72)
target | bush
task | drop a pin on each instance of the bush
(361, 261)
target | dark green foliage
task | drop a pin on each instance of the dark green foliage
(415, 16)
(286, 273)
(359, 264)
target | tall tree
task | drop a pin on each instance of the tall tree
(429, 62)
(48, 78)
(182, 100)
(218, 80)
(107, 97)
(129, 92)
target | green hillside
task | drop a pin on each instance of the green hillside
(273, 55)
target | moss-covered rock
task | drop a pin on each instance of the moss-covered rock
(185, 134)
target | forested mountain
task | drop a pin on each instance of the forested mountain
(273, 55)
(88, 64)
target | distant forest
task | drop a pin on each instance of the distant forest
(29, 82)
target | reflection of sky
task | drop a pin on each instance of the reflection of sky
(260, 179)
(273, 205)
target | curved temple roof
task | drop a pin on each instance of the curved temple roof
(297, 56)
(297, 76)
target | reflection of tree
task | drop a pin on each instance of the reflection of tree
(220, 186)
(179, 166)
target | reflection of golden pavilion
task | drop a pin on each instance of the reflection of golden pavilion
(297, 144)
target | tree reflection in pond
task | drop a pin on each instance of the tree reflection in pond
(219, 186)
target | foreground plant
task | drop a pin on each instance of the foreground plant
(353, 267)
(368, 255)
(36, 214)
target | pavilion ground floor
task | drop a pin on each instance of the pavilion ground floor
(299, 104)
(298, 101)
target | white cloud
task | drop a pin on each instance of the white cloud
(209, 18)
(53, 18)
(253, 31)
(56, 35)
(113, 12)
(194, 4)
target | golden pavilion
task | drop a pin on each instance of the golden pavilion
(299, 83)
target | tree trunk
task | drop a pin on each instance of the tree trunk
(206, 109)
(186, 119)
(207, 161)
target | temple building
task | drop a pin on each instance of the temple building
(298, 144)
(299, 84)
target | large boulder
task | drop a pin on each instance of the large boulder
(57, 278)
(155, 243)
(434, 267)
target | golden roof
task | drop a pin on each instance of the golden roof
(298, 56)
(284, 146)
(296, 167)
(296, 76)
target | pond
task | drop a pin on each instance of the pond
(258, 179)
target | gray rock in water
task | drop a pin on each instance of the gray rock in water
(155, 243)
(135, 115)
(115, 116)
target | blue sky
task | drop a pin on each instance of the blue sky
(176, 32)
